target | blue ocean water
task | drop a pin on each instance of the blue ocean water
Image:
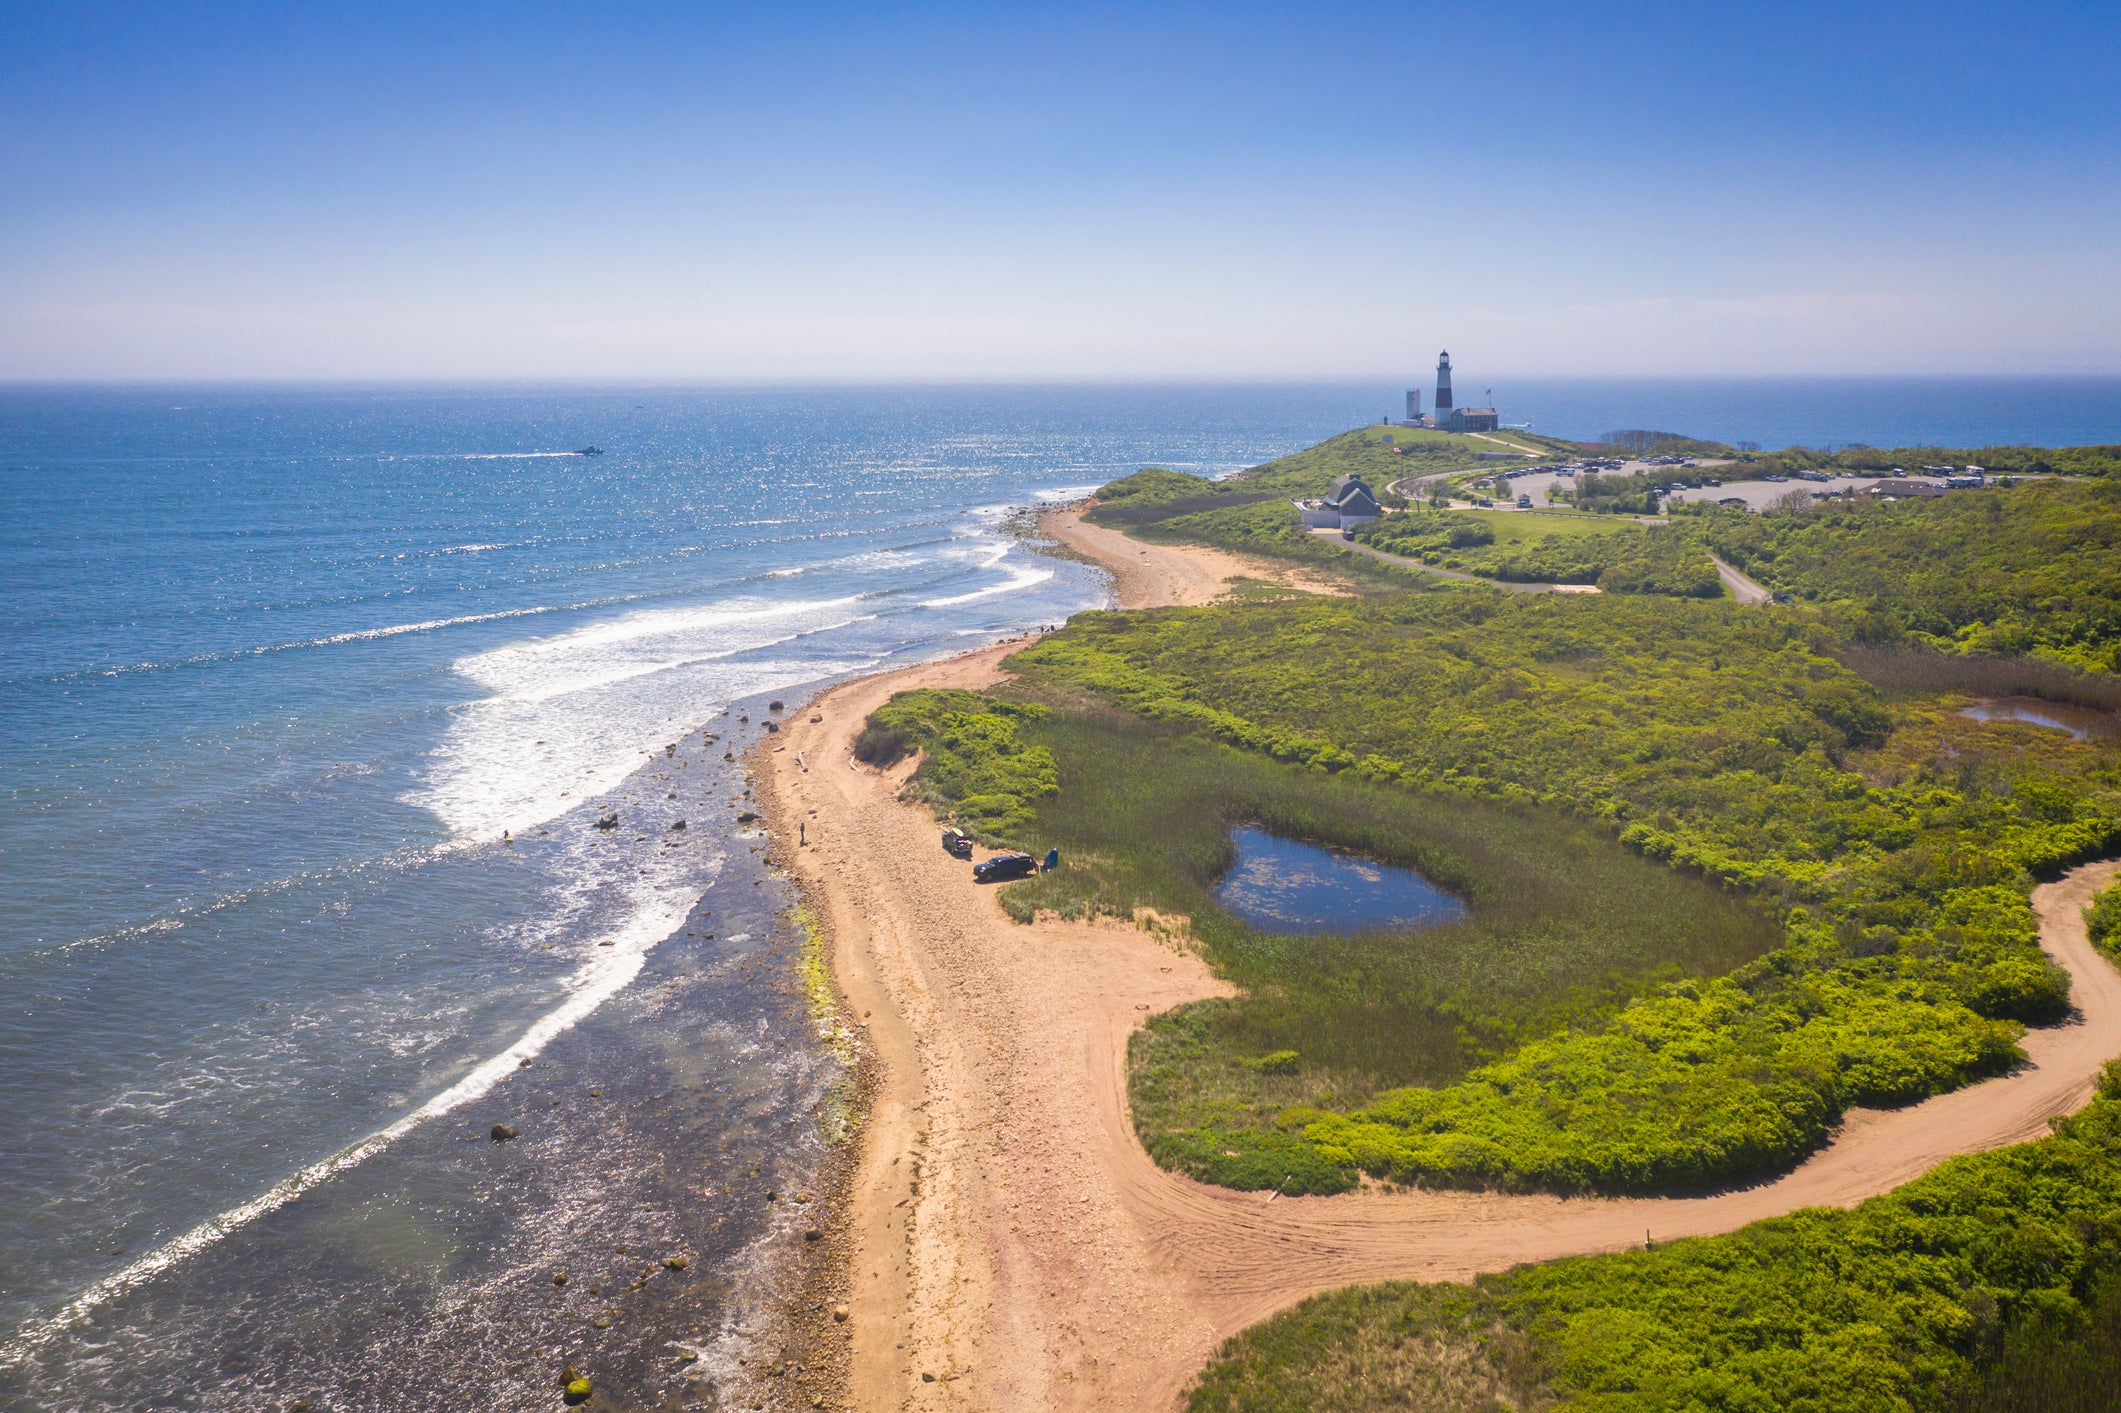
(279, 669)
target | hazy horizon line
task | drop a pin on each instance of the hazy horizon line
(10, 383)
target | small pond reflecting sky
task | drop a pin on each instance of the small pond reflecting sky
(1280, 885)
(2081, 722)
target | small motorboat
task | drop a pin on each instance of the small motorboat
(590, 451)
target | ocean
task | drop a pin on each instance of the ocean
(312, 699)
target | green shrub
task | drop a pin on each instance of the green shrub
(1990, 1284)
(1627, 560)
(1712, 739)
(2102, 920)
(2031, 570)
(976, 762)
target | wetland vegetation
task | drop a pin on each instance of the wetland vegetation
(1892, 841)
(1564, 923)
(1842, 851)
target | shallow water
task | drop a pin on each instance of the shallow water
(1283, 885)
(2081, 722)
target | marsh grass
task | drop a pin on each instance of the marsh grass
(1437, 1348)
(1563, 922)
(1246, 589)
(1918, 670)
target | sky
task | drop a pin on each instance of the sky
(1141, 191)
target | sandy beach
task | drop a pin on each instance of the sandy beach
(1009, 1244)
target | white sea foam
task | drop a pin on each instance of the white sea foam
(1018, 579)
(1061, 495)
(397, 629)
(979, 551)
(361, 635)
(658, 914)
(565, 718)
(483, 455)
(882, 559)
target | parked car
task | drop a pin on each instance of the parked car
(957, 843)
(1004, 866)
(1524, 502)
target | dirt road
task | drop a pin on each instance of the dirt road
(1016, 1249)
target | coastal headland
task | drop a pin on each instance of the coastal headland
(1008, 1242)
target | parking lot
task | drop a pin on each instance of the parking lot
(1757, 494)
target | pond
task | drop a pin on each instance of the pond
(1280, 885)
(2081, 722)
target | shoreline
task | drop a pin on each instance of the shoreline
(1004, 1241)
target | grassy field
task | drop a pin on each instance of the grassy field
(1363, 451)
(1515, 526)
(1619, 557)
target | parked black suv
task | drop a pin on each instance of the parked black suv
(1004, 866)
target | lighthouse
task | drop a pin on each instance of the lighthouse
(1441, 412)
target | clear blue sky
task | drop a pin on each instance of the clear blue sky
(723, 191)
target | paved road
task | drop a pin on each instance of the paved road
(1742, 589)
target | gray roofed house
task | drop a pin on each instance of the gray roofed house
(1352, 497)
(1350, 502)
